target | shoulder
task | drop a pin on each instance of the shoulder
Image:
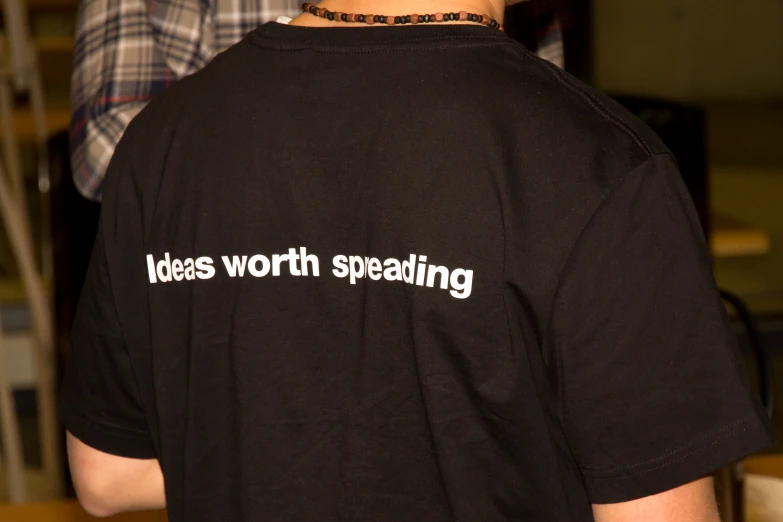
(214, 82)
(185, 107)
(565, 148)
(576, 125)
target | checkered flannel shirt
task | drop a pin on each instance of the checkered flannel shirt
(129, 51)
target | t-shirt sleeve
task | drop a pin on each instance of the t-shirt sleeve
(653, 391)
(99, 400)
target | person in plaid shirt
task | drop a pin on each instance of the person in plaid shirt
(129, 51)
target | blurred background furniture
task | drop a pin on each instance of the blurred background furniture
(730, 481)
(19, 74)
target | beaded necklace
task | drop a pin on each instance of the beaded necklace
(414, 19)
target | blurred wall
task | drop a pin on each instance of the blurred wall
(706, 50)
(726, 55)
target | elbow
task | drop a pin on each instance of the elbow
(97, 510)
(108, 484)
(97, 501)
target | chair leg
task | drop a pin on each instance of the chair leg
(729, 490)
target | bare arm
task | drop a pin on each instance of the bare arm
(107, 484)
(693, 502)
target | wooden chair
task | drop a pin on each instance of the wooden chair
(730, 480)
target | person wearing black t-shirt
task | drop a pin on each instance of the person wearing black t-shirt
(392, 267)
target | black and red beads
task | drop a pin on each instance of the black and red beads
(371, 19)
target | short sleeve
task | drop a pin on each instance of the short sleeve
(653, 392)
(99, 400)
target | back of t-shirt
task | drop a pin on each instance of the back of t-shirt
(401, 274)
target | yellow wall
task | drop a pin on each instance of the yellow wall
(746, 153)
(690, 49)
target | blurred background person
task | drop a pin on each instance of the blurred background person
(129, 51)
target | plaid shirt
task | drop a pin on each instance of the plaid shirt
(129, 51)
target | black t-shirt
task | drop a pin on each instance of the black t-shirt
(401, 274)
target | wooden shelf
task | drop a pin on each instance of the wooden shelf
(48, 4)
(732, 238)
(11, 290)
(57, 120)
(768, 465)
(68, 511)
(54, 44)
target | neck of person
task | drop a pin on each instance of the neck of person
(492, 8)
